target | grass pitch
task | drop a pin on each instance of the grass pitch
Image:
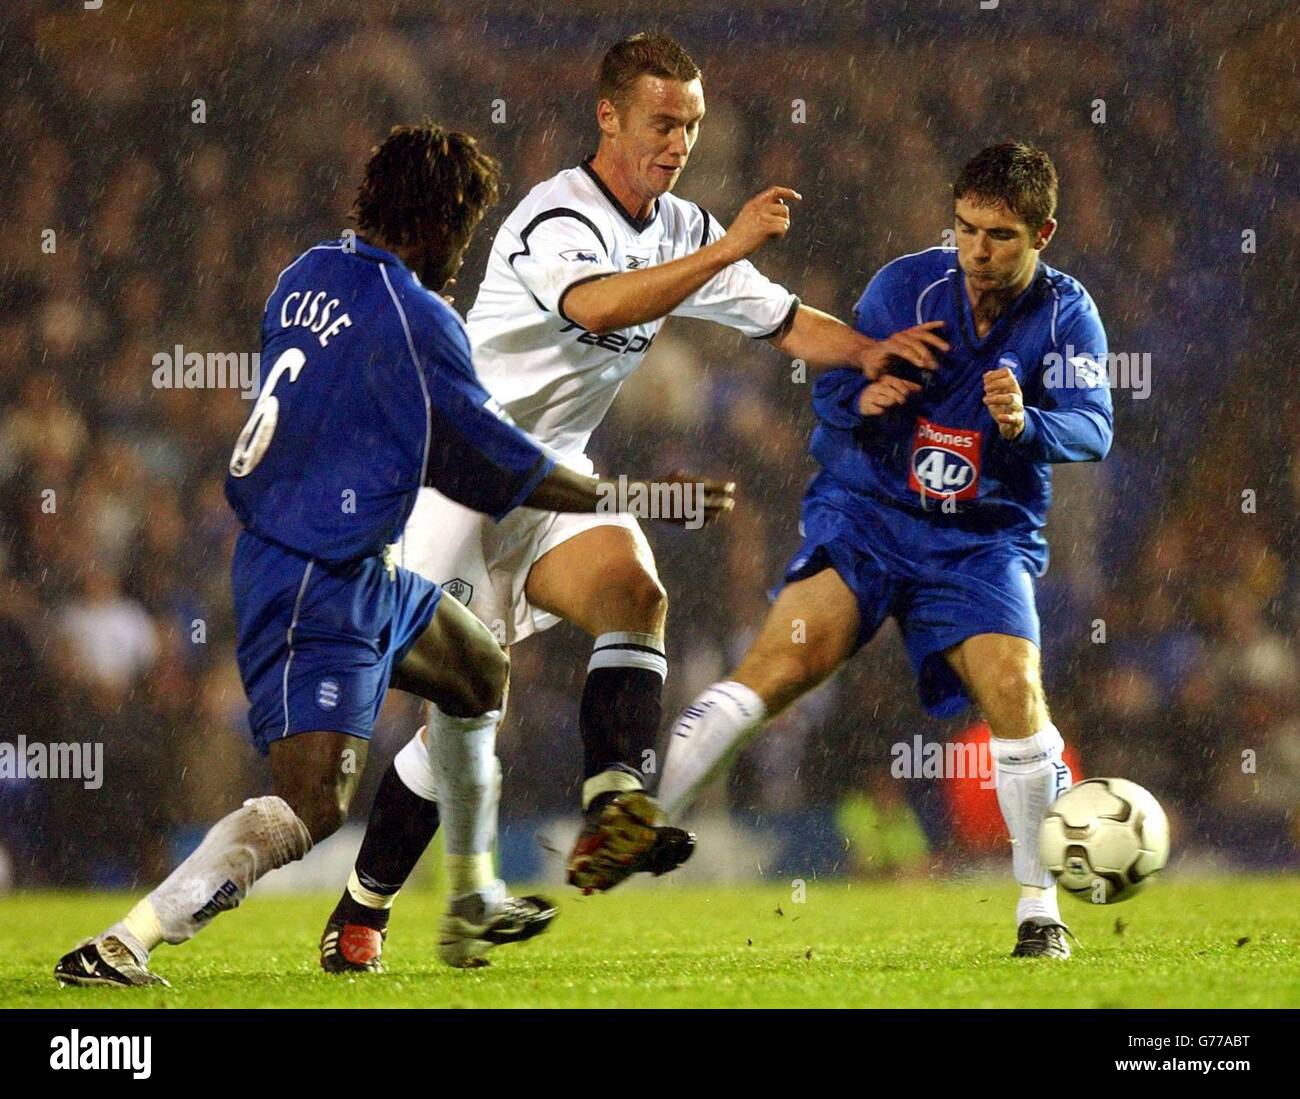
(1229, 942)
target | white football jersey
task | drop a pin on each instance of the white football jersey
(554, 378)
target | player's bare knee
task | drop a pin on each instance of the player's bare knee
(642, 602)
(781, 674)
(1015, 680)
(322, 808)
(1016, 706)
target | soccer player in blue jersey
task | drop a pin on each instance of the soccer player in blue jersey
(929, 505)
(368, 394)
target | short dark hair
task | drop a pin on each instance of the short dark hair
(643, 55)
(426, 184)
(1017, 176)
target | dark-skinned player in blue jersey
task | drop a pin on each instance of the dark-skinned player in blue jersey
(368, 393)
(929, 505)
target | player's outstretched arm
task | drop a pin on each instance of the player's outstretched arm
(823, 342)
(679, 498)
(484, 462)
(607, 304)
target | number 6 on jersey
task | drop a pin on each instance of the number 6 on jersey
(256, 436)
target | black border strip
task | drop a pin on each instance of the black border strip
(639, 224)
(547, 215)
(781, 329)
(559, 305)
(704, 231)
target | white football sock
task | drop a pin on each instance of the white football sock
(1037, 902)
(467, 778)
(710, 730)
(241, 847)
(1031, 774)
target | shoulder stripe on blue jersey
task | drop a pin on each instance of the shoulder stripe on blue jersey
(925, 251)
(415, 361)
(920, 298)
(313, 248)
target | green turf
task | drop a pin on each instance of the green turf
(1205, 943)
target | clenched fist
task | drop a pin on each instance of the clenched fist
(1005, 402)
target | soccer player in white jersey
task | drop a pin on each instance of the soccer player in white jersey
(582, 275)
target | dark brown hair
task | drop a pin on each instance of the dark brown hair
(425, 184)
(1019, 177)
(643, 55)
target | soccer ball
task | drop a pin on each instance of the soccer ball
(1103, 838)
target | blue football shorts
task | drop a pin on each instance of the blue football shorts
(317, 641)
(942, 578)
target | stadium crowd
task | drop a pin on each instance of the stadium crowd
(154, 190)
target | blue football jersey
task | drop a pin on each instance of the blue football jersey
(942, 449)
(368, 393)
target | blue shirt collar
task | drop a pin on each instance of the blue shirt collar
(377, 254)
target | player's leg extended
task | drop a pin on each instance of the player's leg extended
(314, 776)
(1002, 674)
(603, 580)
(457, 666)
(811, 629)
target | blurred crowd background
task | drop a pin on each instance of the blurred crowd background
(183, 153)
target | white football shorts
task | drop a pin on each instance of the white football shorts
(485, 564)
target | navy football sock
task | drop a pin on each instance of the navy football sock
(400, 828)
(621, 711)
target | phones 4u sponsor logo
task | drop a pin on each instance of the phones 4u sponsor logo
(945, 461)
